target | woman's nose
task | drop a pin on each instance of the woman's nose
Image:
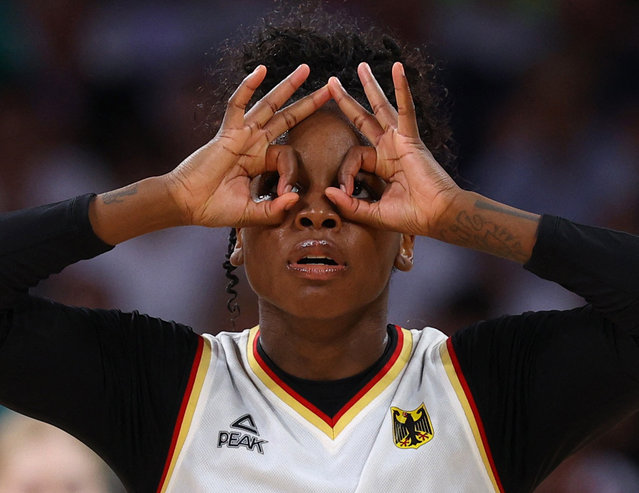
(317, 214)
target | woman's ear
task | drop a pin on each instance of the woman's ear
(237, 257)
(404, 259)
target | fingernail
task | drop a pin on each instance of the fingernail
(401, 66)
(288, 188)
(342, 188)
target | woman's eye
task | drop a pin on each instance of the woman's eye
(266, 187)
(362, 191)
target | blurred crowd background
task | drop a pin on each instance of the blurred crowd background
(545, 103)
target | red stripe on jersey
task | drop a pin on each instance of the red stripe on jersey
(471, 402)
(180, 417)
(323, 416)
(383, 371)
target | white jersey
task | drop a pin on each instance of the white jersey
(413, 427)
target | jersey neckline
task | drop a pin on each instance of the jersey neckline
(331, 426)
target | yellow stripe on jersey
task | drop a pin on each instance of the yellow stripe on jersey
(277, 389)
(457, 384)
(189, 410)
(378, 388)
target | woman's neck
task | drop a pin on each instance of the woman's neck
(324, 349)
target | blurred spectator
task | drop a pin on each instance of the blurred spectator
(594, 472)
(38, 458)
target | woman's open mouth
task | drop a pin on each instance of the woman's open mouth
(317, 261)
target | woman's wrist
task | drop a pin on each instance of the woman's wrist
(134, 210)
(445, 208)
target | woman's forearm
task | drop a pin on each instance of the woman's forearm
(477, 222)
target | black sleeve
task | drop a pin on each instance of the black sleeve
(114, 380)
(38, 242)
(546, 383)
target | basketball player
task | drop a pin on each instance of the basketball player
(326, 198)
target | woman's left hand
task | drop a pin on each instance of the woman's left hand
(418, 189)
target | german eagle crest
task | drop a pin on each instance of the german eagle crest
(411, 429)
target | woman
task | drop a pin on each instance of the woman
(326, 199)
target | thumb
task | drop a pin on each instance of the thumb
(272, 212)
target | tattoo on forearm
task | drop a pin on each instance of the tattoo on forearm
(117, 196)
(480, 204)
(476, 231)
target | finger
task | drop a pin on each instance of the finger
(266, 107)
(283, 159)
(236, 105)
(357, 158)
(269, 212)
(384, 111)
(353, 209)
(407, 119)
(355, 112)
(290, 116)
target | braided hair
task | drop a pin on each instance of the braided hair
(331, 43)
(231, 305)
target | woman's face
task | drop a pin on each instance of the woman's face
(316, 264)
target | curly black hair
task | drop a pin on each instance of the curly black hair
(331, 43)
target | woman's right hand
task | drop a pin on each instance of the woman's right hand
(212, 186)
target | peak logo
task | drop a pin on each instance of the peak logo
(248, 437)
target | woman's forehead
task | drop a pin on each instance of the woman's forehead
(322, 139)
(325, 125)
(322, 117)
